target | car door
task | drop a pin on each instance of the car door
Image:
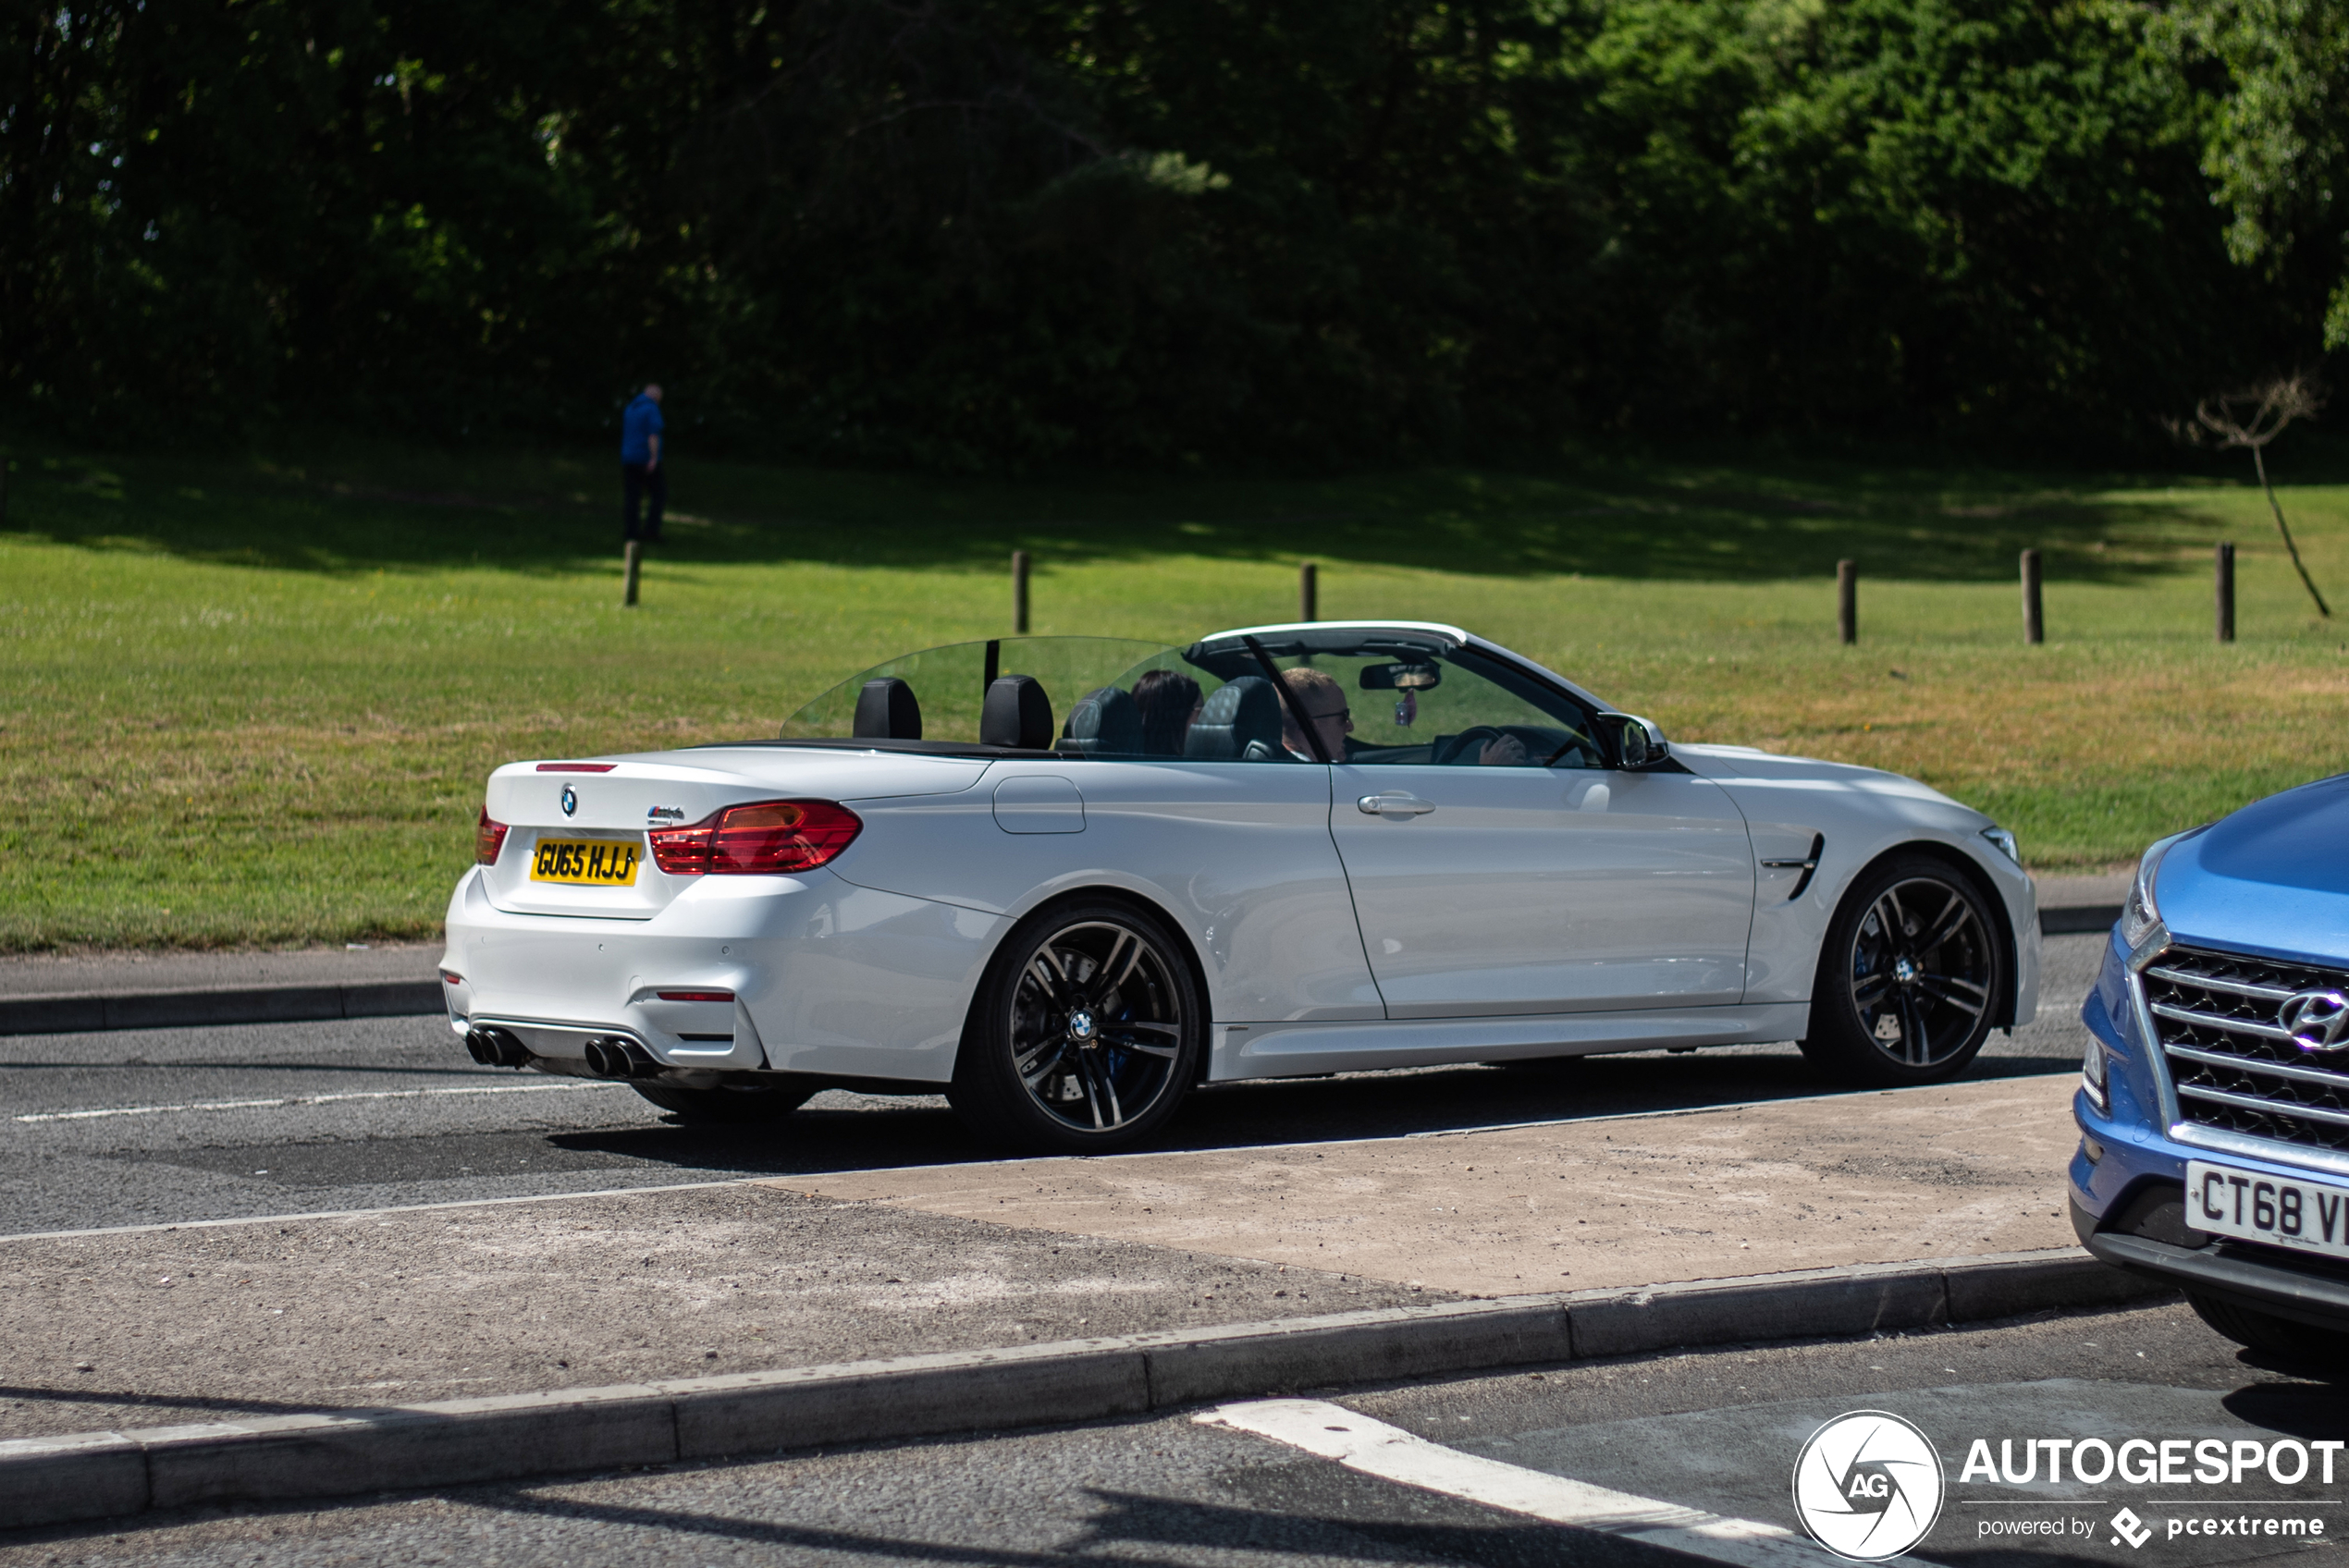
(1498, 866)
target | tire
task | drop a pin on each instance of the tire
(1087, 1033)
(2270, 1335)
(704, 1107)
(1912, 967)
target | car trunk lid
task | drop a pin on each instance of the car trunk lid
(575, 841)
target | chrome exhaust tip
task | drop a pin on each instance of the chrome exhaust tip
(619, 1059)
(495, 1048)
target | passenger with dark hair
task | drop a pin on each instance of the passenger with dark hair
(1169, 701)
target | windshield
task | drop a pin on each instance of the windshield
(1395, 698)
(1376, 697)
(947, 685)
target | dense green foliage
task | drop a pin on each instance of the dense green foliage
(2279, 151)
(998, 232)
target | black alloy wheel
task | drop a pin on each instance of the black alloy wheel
(1086, 1035)
(725, 1107)
(1911, 968)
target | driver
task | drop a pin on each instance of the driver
(1324, 701)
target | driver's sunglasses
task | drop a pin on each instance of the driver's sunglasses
(1346, 714)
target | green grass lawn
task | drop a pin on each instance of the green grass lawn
(253, 700)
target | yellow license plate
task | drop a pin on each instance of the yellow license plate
(586, 863)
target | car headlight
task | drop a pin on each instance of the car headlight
(2005, 840)
(2140, 916)
(2093, 1069)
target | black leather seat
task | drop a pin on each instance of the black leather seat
(886, 711)
(1106, 722)
(1016, 714)
(1241, 722)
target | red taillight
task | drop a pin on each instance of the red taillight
(450, 977)
(695, 996)
(577, 766)
(764, 839)
(488, 839)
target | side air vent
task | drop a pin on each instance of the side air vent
(1808, 864)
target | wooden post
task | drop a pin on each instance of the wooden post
(1847, 601)
(628, 589)
(2223, 581)
(1309, 591)
(1019, 593)
(2035, 620)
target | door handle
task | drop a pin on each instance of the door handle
(1394, 802)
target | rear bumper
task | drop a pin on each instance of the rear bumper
(828, 978)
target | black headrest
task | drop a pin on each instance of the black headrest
(1107, 722)
(1241, 722)
(886, 711)
(1016, 713)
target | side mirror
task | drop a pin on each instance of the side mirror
(1637, 743)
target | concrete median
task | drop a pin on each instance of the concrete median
(106, 1475)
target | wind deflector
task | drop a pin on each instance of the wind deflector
(951, 682)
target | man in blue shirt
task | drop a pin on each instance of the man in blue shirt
(642, 476)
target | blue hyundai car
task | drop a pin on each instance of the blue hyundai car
(2214, 1101)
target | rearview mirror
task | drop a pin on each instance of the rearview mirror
(1639, 744)
(1401, 677)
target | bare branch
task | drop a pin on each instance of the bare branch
(2250, 417)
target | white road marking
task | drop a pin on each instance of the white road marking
(302, 1216)
(304, 1099)
(1373, 1448)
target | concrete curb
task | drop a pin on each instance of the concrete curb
(2079, 920)
(104, 1475)
(79, 1012)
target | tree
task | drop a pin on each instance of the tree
(2277, 148)
(2251, 417)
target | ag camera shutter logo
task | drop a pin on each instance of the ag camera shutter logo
(1868, 1486)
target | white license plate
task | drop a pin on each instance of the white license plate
(2304, 1216)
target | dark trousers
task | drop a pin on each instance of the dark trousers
(638, 485)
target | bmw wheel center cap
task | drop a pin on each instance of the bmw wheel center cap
(1080, 1024)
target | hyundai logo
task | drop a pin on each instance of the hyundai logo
(571, 801)
(2316, 1020)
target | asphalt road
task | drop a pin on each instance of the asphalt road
(167, 1126)
(1719, 1431)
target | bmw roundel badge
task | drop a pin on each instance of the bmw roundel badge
(571, 801)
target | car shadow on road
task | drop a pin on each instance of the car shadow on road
(839, 1132)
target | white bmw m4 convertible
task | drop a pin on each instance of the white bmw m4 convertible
(1064, 879)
